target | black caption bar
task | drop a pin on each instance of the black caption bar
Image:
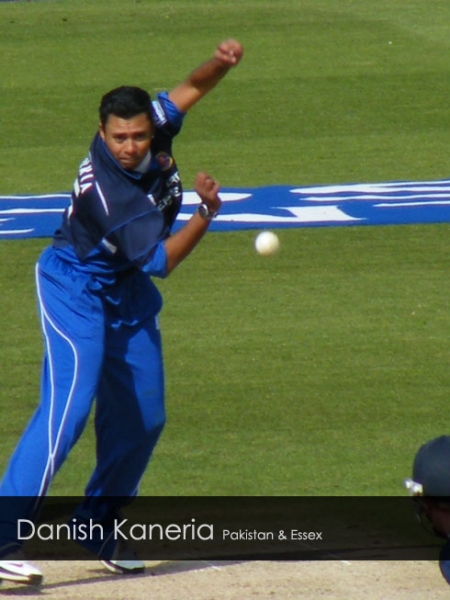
(228, 528)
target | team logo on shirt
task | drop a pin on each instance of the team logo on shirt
(165, 161)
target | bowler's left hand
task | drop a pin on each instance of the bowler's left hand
(208, 190)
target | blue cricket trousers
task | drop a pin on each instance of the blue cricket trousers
(91, 352)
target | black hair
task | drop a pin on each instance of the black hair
(125, 102)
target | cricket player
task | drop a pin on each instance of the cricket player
(430, 489)
(99, 310)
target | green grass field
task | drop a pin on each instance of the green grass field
(318, 371)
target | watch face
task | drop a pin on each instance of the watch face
(205, 212)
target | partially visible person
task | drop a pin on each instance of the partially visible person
(430, 488)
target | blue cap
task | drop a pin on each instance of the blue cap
(431, 467)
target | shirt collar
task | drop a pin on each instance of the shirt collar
(143, 166)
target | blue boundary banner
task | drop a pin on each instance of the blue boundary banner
(271, 207)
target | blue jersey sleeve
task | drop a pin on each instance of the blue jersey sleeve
(166, 115)
(156, 264)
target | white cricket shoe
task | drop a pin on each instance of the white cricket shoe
(20, 571)
(124, 561)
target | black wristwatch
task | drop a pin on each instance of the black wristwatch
(206, 212)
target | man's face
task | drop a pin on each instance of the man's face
(438, 515)
(128, 140)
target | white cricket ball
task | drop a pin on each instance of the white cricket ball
(267, 243)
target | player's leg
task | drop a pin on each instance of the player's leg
(73, 332)
(129, 419)
(73, 356)
(130, 413)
